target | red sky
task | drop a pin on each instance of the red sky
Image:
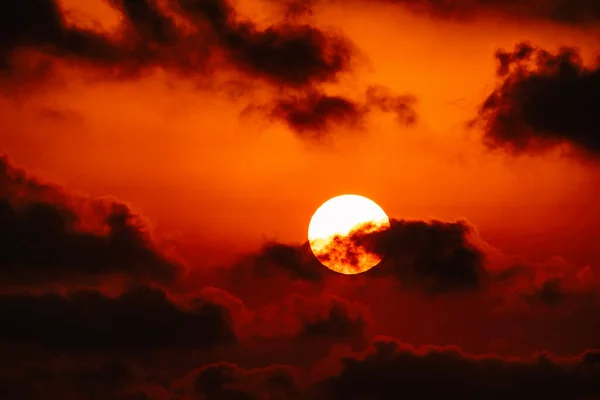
(220, 127)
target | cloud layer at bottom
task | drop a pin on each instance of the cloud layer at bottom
(92, 307)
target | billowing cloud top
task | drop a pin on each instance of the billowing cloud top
(59, 297)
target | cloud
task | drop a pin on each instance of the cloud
(341, 320)
(69, 380)
(229, 381)
(43, 240)
(147, 22)
(553, 284)
(284, 54)
(170, 332)
(141, 319)
(308, 318)
(315, 113)
(433, 256)
(194, 39)
(392, 369)
(39, 24)
(293, 318)
(387, 368)
(185, 341)
(288, 54)
(567, 12)
(542, 100)
(274, 262)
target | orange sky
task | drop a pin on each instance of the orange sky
(238, 181)
(160, 162)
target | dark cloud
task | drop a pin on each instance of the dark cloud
(69, 381)
(229, 381)
(41, 240)
(433, 256)
(554, 285)
(285, 54)
(387, 369)
(392, 369)
(340, 321)
(305, 319)
(276, 260)
(142, 319)
(15, 184)
(315, 113)
(39, 243)
(39, 24)
(543, 100)
(296, 8)
(147, 21)
(436, 256)
(569, 12)
(54, 345)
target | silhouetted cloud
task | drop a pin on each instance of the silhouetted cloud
(142, 319)
(39, 24)
(542, 100)
(338, 322)
(147, 21)
(431, 256)
(145, 320)
(391, 369)
(229, 381)
(140, 342)
(568, 12)
(285, 54)
(386, 369)
(41, 240)
(275, 260)
(549, 284)
(308, 318)
(107, 380)
(315, 113)
(435, 256)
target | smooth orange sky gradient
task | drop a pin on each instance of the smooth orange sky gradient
(235, 179)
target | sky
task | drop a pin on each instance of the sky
(160, 161)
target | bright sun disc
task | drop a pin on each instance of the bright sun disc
(330, 226)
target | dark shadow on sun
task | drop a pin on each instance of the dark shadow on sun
(354, 253)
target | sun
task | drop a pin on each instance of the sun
(330, 226)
